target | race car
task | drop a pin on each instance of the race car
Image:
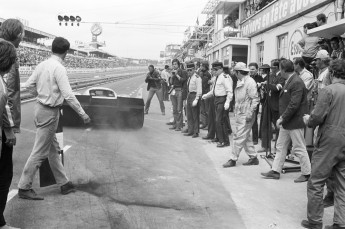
(106, 108)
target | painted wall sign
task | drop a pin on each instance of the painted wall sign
(294, 51)
(277, 13)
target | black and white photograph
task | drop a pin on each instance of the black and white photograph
(158, 114)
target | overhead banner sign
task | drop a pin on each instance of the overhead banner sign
(278, 12)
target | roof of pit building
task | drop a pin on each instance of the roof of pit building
(31, 32)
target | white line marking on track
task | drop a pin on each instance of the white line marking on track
(67, 147)
(12, 194)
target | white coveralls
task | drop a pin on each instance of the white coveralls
(246, 101)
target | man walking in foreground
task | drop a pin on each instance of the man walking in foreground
(50, 82)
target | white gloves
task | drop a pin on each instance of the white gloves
(226, 106)
(203, 96)
(195, 103)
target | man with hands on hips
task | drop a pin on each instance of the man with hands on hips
(222, 92)
(246, 102)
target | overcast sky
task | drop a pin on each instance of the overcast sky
(125, 40)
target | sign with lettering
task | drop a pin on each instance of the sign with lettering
(294, 51)
(276, 13)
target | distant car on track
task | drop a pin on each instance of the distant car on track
(106, 108)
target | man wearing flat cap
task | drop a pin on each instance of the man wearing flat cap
(194, 87)
(247, 99)
(222, 92)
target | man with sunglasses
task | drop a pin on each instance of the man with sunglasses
(194, 87)
(222, 92)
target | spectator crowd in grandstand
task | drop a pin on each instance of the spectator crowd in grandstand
(31, 57)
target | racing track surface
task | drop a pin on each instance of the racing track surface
(150, 178)
(154, 178)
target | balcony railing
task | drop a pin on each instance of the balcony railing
(218, 37)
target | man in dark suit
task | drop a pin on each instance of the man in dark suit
(272, 89)
(253, 67)
(292, 106)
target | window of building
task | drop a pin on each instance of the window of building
(216, 56)
(260, 52)
(282, 46)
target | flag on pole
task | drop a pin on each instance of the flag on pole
(197, 21)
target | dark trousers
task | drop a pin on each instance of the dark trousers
(204, 107)
(177, 103)
(221, 116)
(192, 114)
(211, 118)
(255, 128)
(165, 91)
(6, 174)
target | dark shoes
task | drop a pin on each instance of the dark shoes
(307, 224)
(223, 144)
(271, 175)
(255, 142)
(29, 194)
(178, 129)
(252, 161)
(185, 131)
(188, 134)
(207, 138)
(230, 163)
(195, 135)
(172, 128)
(170, 123)
(334, 226)
(67, 188)
(328, 201)
(302, 178)
(215, 140)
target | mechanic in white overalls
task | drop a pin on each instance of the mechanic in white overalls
(246, 101)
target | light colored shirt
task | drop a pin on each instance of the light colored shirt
(246, 96)
(50, 81)
(195, 85)
(165, 75)
(310, 46)
(307, 78)
(222, 87)
(323, 80)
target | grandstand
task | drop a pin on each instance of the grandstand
(31, 52)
